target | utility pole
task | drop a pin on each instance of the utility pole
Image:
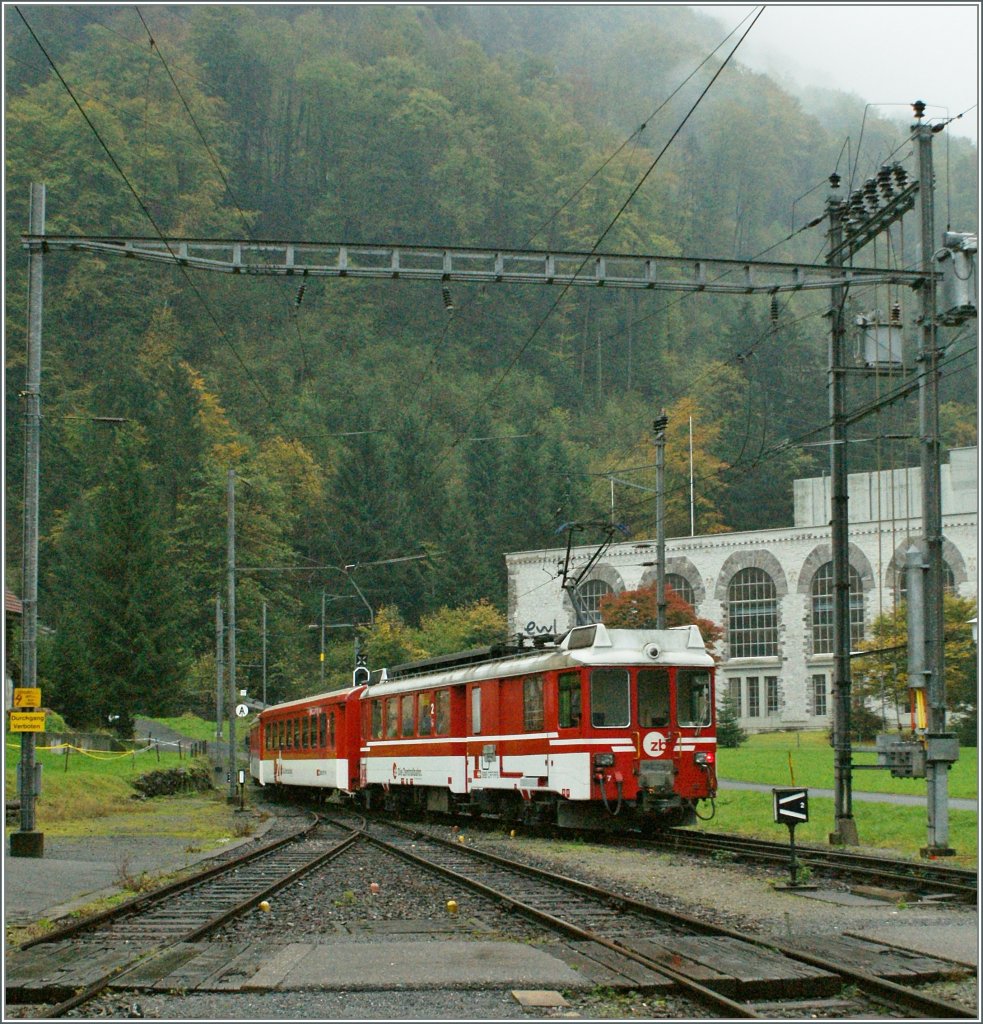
(659, 426)
(322, 641)
(231, 572)
(219, 666)
(845, 827)
(941, 748)
(28, 842)
(692, 495)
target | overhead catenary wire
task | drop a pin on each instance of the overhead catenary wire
(632, 138)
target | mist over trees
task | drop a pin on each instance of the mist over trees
(367, 421)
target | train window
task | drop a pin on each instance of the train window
(532, 703)
(305, 733)
(609, 698)
(569, 700)
(476, 710)
(322, 730)
(408, 716)
(442, 726)
(377, 719)
(653, 697)
(331, 731)
(692, 697)
(296, 734)
(426, 713)
(392, 717)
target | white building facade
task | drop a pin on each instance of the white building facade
(771, 590)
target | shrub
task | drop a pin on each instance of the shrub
(168, 781)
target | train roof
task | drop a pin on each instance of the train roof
(332, 694)
(681, 646)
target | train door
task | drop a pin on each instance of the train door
(656, 748)
(482, 708)
(696, 744)
(569, 760)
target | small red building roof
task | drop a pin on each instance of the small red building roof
(12, 603)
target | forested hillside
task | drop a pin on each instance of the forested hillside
(369, 421)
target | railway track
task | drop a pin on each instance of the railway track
(709, 963)
(155, 939)
(910, 877)
(114, 941)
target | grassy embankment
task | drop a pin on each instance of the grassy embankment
(903, 829)
(91, 793)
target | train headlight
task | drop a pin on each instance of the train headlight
(703, 758)
(604, 760)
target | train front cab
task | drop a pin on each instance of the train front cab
(633, 742)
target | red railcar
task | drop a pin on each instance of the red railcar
(602, 727)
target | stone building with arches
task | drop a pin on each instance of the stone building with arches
(771, 590)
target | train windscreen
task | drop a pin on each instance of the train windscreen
(610, 703)
(692, 697)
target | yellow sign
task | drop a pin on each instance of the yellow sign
(27, 697)
(27, 721)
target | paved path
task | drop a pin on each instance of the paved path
(908, 799)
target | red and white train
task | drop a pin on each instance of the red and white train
(598, 728)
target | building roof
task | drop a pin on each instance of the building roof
(12, 603)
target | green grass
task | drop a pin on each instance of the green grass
(765, 758)
(192, 726)
(891, 829)
(900, 829)
(203, 729)
(78, 791)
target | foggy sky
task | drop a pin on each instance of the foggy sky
(891, 54)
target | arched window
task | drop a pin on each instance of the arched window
(682, 587)
(822, 609)
(948, 582)
(752, 615)
(589, 595)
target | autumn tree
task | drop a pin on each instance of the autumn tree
(639, 609)
(881, 679)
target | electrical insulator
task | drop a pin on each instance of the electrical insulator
(300, 294)
(774, 311)
(858, 211)
(900, 176)
(884, 181)
(870, 194)
(896, 314)
(448, 301)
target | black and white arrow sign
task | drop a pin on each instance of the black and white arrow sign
(791, 805)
